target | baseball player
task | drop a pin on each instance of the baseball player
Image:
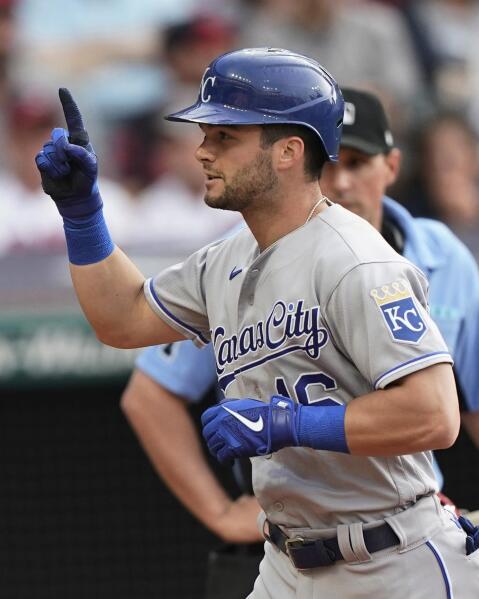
(166, 376)
(309, 296)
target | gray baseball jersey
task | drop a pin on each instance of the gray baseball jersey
(327, 313)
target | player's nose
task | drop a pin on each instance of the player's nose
(204, 153)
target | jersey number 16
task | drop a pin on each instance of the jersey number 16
(306, 389)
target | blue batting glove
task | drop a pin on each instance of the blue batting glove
(248, 427)
(68, 165)
(472, 532)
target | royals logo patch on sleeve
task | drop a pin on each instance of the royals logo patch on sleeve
(399, 311)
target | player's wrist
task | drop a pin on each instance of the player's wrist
(76, 208)
(88, 239)
(322, 427)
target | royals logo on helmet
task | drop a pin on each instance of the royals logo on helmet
(205, 82)
(399, 311)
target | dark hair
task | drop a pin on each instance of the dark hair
(314, 153)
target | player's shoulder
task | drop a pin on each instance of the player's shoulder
(348, 246)
(351, 239)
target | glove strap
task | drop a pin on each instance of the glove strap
(282, 423)
(322, 427)
(88, 239)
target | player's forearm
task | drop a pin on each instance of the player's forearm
(418, 414)
(165, 430)
(108, 285)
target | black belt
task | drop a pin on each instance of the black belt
(306, 553)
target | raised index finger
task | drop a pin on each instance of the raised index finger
(76, 130)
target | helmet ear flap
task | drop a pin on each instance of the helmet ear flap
(259, 86)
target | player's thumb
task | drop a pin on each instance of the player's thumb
(80, 157)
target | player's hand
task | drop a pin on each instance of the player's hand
(472, 534)
(68, 165)
(248, 427)
(238, 524)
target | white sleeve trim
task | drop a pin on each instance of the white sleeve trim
(182, 327)
(411, 366)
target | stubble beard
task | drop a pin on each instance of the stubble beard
(253, 186)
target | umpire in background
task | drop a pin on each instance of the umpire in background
(167, 378)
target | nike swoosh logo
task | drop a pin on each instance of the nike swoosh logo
(254, 425)
(234, 272)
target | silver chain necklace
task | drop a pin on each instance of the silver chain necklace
(310, 215)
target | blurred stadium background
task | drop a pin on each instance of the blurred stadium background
(83, 514)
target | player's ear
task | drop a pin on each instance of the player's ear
(393, 161)
(288, 152)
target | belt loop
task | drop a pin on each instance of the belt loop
(344, 544)
(357, 542)
(438, 506)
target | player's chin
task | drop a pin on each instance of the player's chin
(214, 194)
(216, 202)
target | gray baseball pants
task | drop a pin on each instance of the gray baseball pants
(429, 563)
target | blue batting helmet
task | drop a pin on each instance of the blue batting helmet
(259, 86)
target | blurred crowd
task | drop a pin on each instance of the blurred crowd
(128, 62)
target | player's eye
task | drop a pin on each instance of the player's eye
(224, 136)
(355, 163)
